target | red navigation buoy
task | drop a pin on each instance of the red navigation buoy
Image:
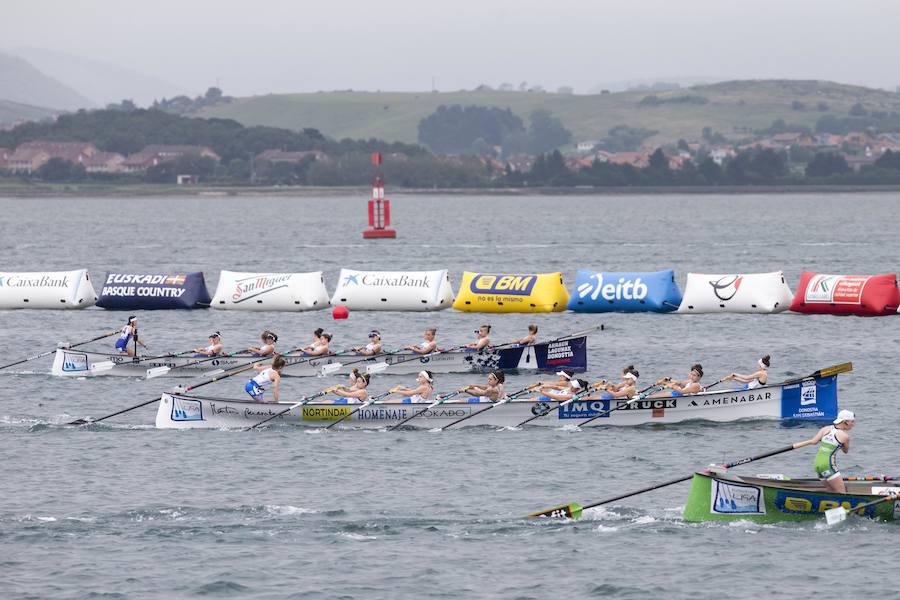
(340, 312)
(379, 207)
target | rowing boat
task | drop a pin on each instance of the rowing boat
(770, 499)
(813, 399)
(563, 353)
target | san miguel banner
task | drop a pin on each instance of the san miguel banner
(862, 295)
(152, 291)
(270, 291)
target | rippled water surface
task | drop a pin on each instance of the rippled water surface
(122, 510)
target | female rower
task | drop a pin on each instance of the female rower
(356, 391)
(428, 345)
(256, 387)
(754, 380)
(565, 378)
(832, 438)
(125, 336)
(214, 348)
(491, 392)
(317, 336)
(626, 388)
(374, 345)
(267, 348)
(691, 385)
(320, 348)
(576, 386)
(421, 393)
(482, 339)
(529, 339)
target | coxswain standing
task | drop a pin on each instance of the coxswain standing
(832, 438)
(128, 333)
(268, 374)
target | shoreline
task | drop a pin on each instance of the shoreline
(19, 190)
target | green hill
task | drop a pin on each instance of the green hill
(731, 108)
(12, 112)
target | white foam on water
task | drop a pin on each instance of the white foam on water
(605, 529)
(356, 537)
(30, 517)
(287, 509)
(644, 519)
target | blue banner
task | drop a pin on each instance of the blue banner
(654, 291)
(810, 400)
(548, 356)
(151, 291)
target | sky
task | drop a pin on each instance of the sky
(273, 46)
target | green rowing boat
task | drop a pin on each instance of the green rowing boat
(728, 497)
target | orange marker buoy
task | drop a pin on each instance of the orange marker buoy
(340, 312)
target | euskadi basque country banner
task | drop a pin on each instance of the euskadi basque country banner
(597, 291)
(151, 291)
(270, 291)
(46, 289)
(511, 293)
(862, 295)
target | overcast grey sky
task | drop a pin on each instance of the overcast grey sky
(265, 46)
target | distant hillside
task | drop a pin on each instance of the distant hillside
(21, 82)
(731, 108)
(13, 112)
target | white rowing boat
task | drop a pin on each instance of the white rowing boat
(564, 353)
(812, 399)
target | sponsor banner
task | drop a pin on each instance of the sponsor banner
(74, 362)
(810, 400)
(863, 295)
(151, 291)
(736, 293)
(551, 356)
(530, 293)
(585, 409)
(325, 413)
(47, 289)
(736, 499)
(393, 290)
(800, 503)
(630, 292)
(186, 409)
(398, 412)
(270, 291)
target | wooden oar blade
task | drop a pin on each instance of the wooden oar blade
(157, 372)
(836, 369)
(100, 367)
(376, 368)
(836, 515)
(571, 510)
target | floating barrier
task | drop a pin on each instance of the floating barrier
(153, 291)
(393, 290)
(47, 289)
(536, 293)
(736, 293)
(270, 291)
(597, 291)
(861, 295)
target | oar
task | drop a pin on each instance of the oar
(332, 368)
(826, 372)
(647, 391)
(372, 400)
(508, 398)
(573, 510)
(305, 400)
(714, 384)
(181, 390)
(574, 397)
(59, 347)
(836, 515)
(438, 400)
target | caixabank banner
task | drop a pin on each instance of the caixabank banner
(153, 291)
(861, 295)
(597, 291)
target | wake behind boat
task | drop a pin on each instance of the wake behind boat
(563, 353)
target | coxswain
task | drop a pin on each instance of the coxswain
(267, 348)
(268, 374)
(426, 346)
(492, 392)
(355, 391)
(757, 379)
(128, 333)
(213, 349)
(529, 339)
(373, 347)
(421, 393)
(832, 438)
(482, 339)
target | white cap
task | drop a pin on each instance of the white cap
(844, 415)
(630, 375)
(563, 374)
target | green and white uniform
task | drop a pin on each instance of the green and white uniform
(825, 463)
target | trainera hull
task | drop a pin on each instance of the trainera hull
(730, 498)
(773, 402)
(568, 353)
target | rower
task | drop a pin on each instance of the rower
(428, 345)
(492, 392)
(691, 385)
(319, 348)
(565, 378)
(754, 380)
(356, 391)
(832, 438)
(267, 348)
(421, 393)
(213, 349)
(256, 387)
(373, 347)
(624, 388)
(317, 336)
(128, 333)
(481, 338)
(529, 339)
(576, 386)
